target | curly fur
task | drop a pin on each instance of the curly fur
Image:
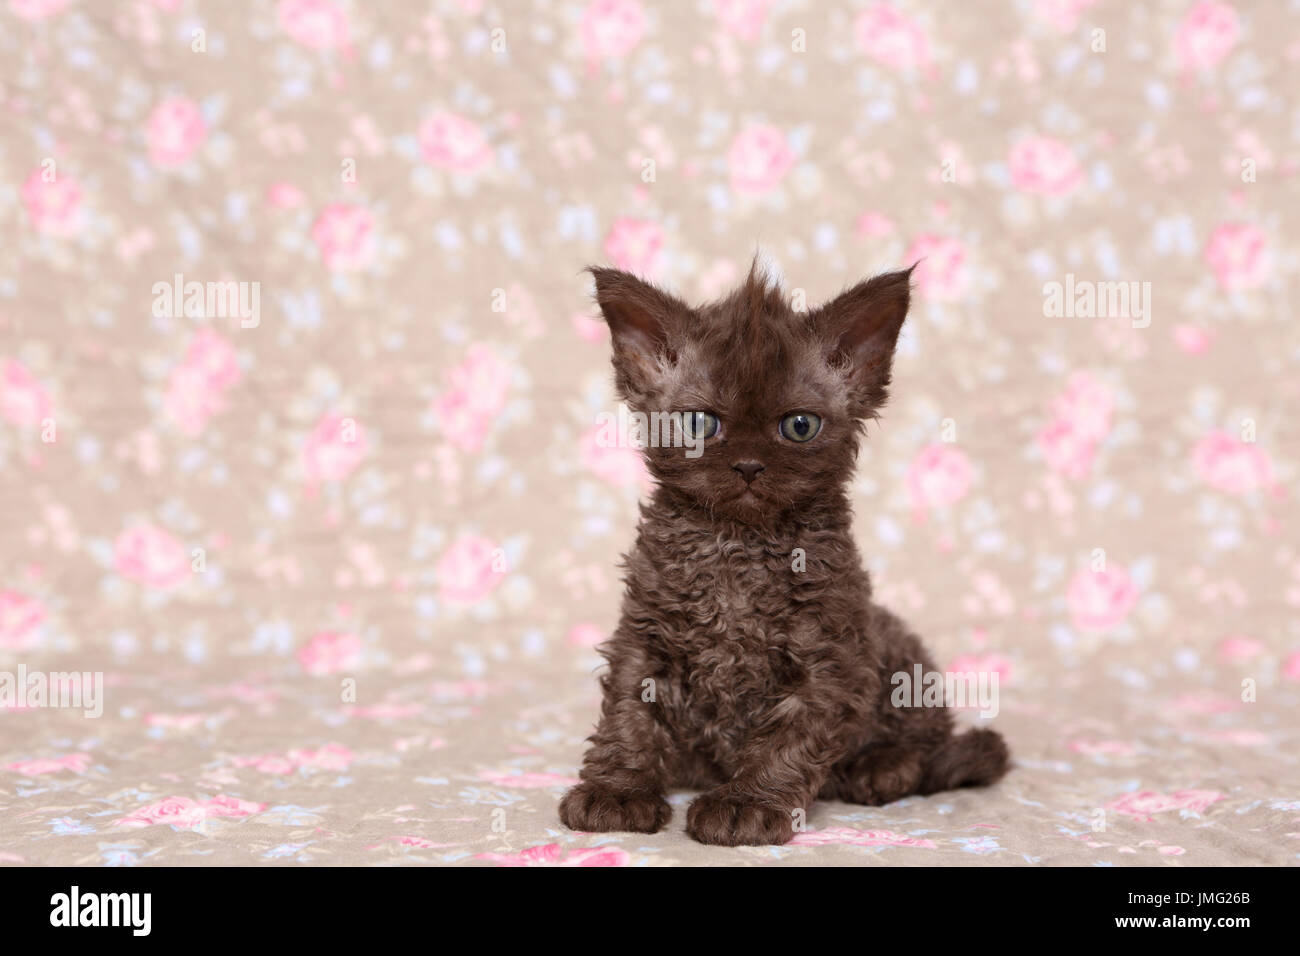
(735, 668)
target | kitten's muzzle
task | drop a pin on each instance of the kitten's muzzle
(748, 469)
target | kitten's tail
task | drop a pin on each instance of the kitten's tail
(973, 759)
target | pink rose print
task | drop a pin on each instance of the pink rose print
(477, 394)
(469, 571)
(743, 18)
(334, 757)
(345, 235)
(634, 244)
(316, 24)
(77, 763)
(1238, 255)
(621, 466)
(453, 142)
(1192, 340)
(196, 387)
(552, 855)
(334, 449)
(23, 400)
(1101, 600)
(891, 38)
(21, 618)
(528, 781)
(939, 477)
(175, 130)
(1081, 421)
(1232, 466)
(151, 556)
(611, 28)
(36, 9)
(1143, 805)
(758, 159)
(849, 836)
(330, 653)
(1063, 15)
(586, 635)
(1291, 668)
(941, 273)
(1102, 748)
(284, 195)
(1044, 166)
(54, 207)
(187, 813)
(982, 664)
(1206, 35)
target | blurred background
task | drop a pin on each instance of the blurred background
(300, 381)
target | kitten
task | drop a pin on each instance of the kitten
(738, 666)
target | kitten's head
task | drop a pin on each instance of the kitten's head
(770, 400)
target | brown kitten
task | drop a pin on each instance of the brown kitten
(771, 685)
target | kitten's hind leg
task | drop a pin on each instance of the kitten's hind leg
(972, 759)
(876, 775)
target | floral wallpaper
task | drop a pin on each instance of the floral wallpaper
(308, 533)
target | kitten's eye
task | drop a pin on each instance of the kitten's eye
(699, 424)
(801, 426)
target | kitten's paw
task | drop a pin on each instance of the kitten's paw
(593, 808)
(724, 818)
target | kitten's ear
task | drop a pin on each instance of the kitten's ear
(861, 326)
(640, 319)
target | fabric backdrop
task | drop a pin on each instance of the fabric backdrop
(339, 538)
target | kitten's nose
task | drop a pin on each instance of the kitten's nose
(748, 469)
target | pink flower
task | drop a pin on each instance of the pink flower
(891, 38)
(330, 757)
(191, 398)
(1065, 450)
(1044, 166)
(20, 620)
(939, 477)
(1206, 35)
(77, 763)
(1142, 805)
(479, 386)
(330, 653)
(36, 9)
(151, 556)
(982, 664)
(469, 571)
(586, 635)
(744, 18)
(941, 272)
(184, 812)
(345, 235)
(552, 855)
(1086, 406)
(453, 142)
(1232, 466)
(334, 449)
(1238, 254)
(316, 24)
(758, 159)
(621, 466)
(1063, 15)
(175, 130)
(853, 837)
(1191, 339)
(54, 207)
(1101, 600)
(1102, 748)
(611, 28)
(872, 225)
(634, 244)
(215, 358)
(23, 400)
(1239, 648)
(528, 781)
(284, 195)
(1291, 668)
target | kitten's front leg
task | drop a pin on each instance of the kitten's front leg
(782, 769)
(625, 771)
